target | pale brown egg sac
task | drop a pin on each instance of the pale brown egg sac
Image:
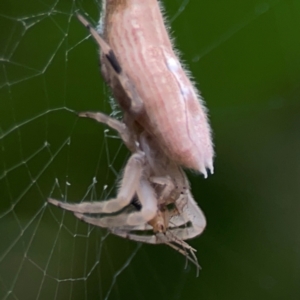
(172, 110)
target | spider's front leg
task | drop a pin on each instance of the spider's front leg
(129, 185)
(147, 197)
(115, 69)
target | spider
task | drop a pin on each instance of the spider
(153, 182)
(157, 188)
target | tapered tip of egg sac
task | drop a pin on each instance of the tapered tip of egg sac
(206, 168)
(204, 172)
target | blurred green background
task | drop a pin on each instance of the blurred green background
(245, 58)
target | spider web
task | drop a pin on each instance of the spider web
(49, 72)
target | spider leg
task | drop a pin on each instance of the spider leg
(147, 212)
(187, 250)
(182, 201)
(120, 127)
(168, 184)
(108, 53)
(158, 238)
(177, 221)
(191, 214)
(100, 41)
(147, 197)
(142, 227)
(174, 239)
(148, 239)
(129, 185)
(187, 254)
(183, 248)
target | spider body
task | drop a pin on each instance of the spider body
(165, 127)
(165, 102)
(154, 182)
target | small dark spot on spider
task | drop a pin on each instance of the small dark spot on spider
(136, 203)
(113, 61)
